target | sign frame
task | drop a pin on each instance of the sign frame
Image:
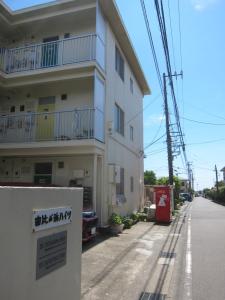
(47, 218)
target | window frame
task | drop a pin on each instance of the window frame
(119, 63)
(120, 187)
(131, 184)
(131, 133)
(119, 120)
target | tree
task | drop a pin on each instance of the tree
(177, 183)
(149, 178)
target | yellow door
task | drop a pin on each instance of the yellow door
(45, 121)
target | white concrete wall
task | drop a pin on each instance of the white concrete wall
(19, 245)
(79, 95)
(120, 149)
(22, 169)
(77, 24)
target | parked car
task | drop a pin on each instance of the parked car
(185, 196)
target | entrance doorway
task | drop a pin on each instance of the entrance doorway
(50, 50)
(45, 119)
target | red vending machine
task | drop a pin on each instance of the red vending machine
(164, 203)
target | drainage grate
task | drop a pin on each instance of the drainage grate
(168, 254)
(150, 296)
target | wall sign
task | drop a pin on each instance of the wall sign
(51, 253)
(51, 217)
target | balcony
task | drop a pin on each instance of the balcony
(77, 124)
(52, 54)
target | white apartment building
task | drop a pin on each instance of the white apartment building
(71, 90)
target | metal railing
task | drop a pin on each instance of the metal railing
(51, 54)
(52, 126)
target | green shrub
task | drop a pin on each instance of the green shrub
(128, 222)
(135, 217)
(115, 219)
(142, 216)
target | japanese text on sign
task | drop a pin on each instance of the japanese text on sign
(51, 217)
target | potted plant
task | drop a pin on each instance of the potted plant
(116, 223)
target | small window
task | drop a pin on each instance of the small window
(131, 133)
(131, 184)
(22, 108)
(120, 186)
(119, 120)
(12, 109)
(119, 64)
(64, 97)
(131, 85)
(66, 35)
(61, 165)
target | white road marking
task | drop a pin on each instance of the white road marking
(188, 269)
(144, 251)
(166, 261)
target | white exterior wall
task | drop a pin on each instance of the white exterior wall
(79, 95)
(120, 149)
(22, 169)
(36, 33)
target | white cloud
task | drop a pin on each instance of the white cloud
(153, 120)
(200, 5)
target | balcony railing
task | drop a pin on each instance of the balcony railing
(52, 126)
(51, 54)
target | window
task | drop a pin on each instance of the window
(119, 120)
(61, 165)
(120, 186)
(22, 108)
(12, 109)
(66, 35)
(64, 97)
(119, 64)
(131, 133)
(131, 184)
(131, 85)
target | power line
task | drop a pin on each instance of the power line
(157, 132)
(205, 142)
(202, 110)
(162, 25)
(171, 32)
(179, 18)
(157, 151)
(143, 109)
(201, 122)
(152, 45)
(152, 143)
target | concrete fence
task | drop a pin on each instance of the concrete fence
(40, 250)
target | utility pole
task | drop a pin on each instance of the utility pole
(169, 143)
(217, 186)
(189, 176)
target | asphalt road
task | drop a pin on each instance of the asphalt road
(200, 269)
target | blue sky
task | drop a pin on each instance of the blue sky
(203, 97)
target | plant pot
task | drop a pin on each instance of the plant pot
(116, 228)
